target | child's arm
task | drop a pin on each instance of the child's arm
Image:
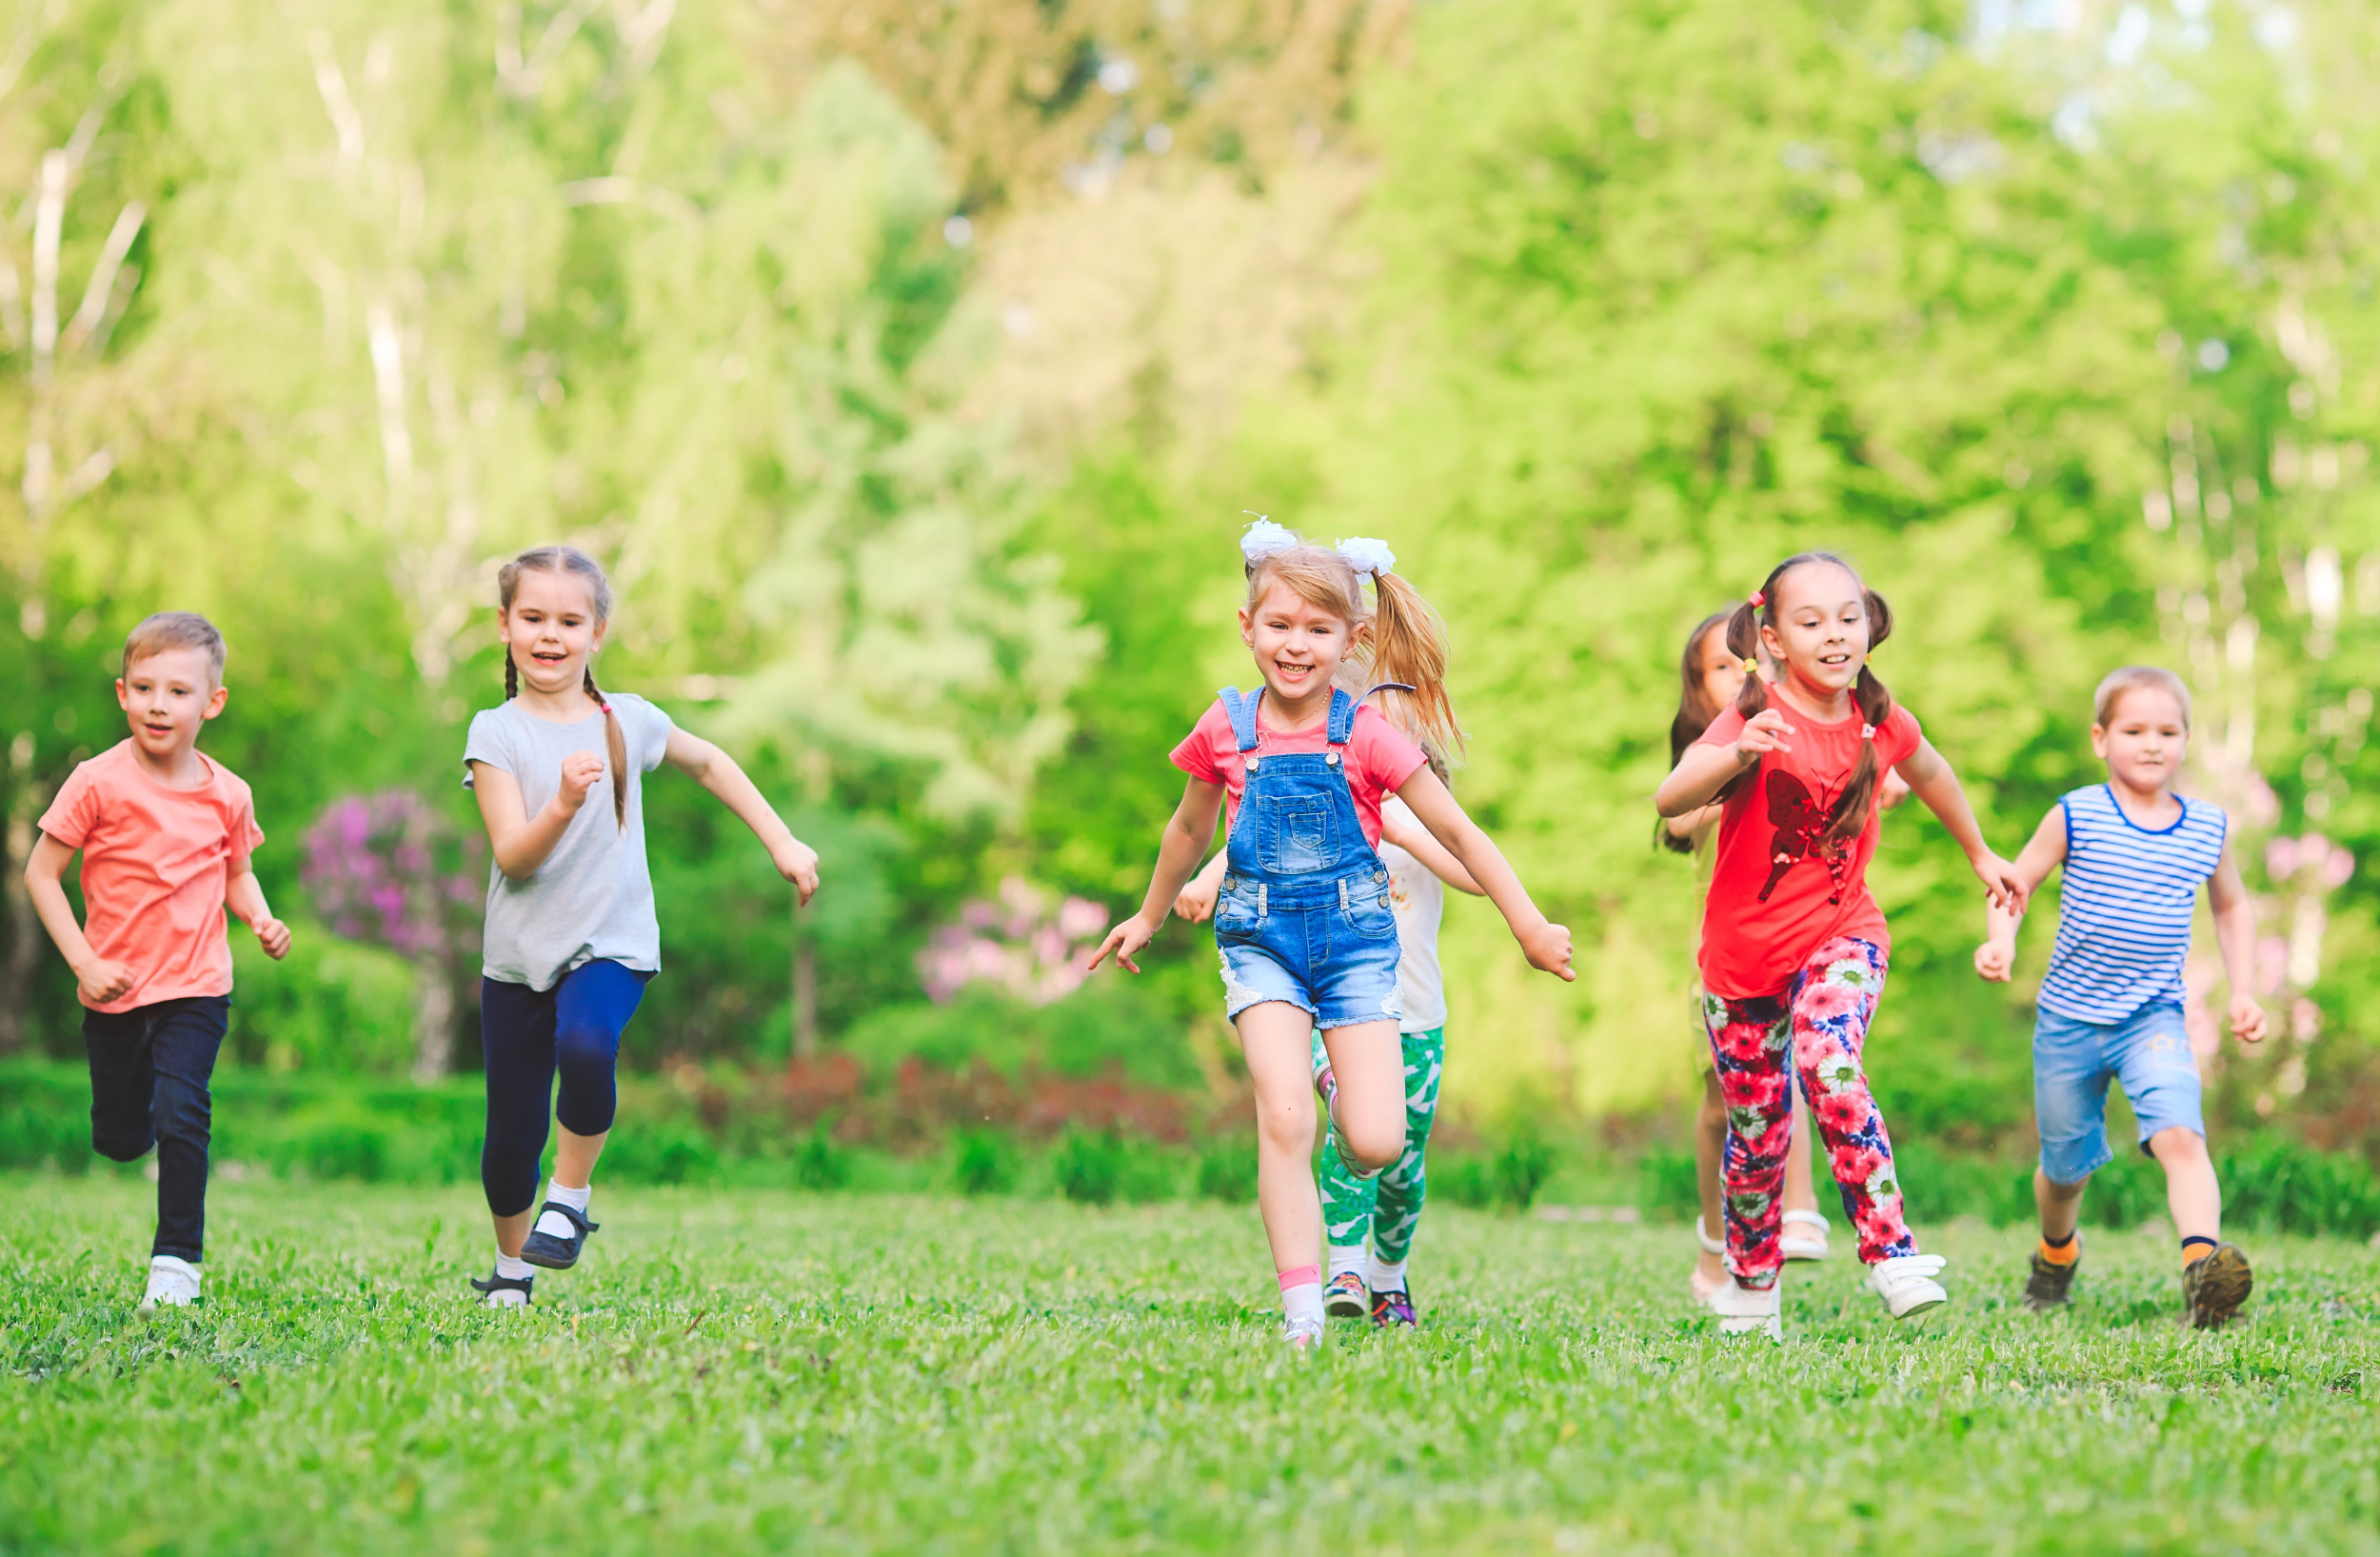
(2044, 852)
(2235, 937)
(717, 771)
(1546, 944)
(245, 897)
(1690, 827)
(1704, 771)
(1187, 833)
(1417, 843)
(1196, 902)
(520, 843)
(1931, 781)
(101, 980)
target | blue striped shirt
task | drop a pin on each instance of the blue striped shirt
(2125, 905)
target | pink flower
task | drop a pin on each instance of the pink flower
(1853, 1164)
(1841, 1114)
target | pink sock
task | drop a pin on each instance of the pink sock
(1306, 1275)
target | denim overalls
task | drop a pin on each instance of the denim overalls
(1304, 915)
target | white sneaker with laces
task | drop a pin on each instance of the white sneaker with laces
(172, 1284)
(1907, 1285)
(1743, 1311)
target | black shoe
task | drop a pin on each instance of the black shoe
(505, 1285)
(2215, 1285)
(2046, 1287)
(554, 1253)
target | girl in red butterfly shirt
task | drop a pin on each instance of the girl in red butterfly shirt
(1794, 947)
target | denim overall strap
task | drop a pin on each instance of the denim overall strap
(1342, 717)
(1242, 711)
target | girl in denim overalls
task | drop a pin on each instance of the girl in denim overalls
(1304, 926)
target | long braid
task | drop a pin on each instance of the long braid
(512, 676)
(616, 740)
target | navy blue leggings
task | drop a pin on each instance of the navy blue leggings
(528, 1035)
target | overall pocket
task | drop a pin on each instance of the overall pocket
(1367, 912)
(1298, 836)
(1238, 910)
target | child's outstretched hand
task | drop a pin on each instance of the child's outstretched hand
(2247, 1020)
(273, 936)
(1995, 959)
(102, 981)
(2002, 882)
(580, 772)
(798, 863)
(1547, 946)
(1123, 941)
(1762, 733)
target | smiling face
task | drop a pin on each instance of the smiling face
(1298, 645)
(1721, 673)
(166, 697)
(1821, 635)
(550, 631)
(2144, 740)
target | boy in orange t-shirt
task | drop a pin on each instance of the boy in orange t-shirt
(166, 834)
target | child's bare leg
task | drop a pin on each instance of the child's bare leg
(512, 1231)
(1369, 1064)
(2190, 1191)
(2060, 1205)
(1800, 1190)
(575, 1155)
(1710, 1148)
(1275, 1039)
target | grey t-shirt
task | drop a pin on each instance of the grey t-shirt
(593, 897)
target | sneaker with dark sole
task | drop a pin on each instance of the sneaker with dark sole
(2048, 1287)
(2215, 1285)
(557, 1249)
(1344, 1296)
(505, 1292)
(1393, 1309)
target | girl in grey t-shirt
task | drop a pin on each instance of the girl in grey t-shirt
(572, 937)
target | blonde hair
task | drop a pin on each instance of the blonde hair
(174, 629)
(2134, 678)
(1396, 638)
(572, 563)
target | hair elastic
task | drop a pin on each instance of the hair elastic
(1751, 666)
(1759, 598)
(1867, 732)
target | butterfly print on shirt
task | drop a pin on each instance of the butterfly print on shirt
(1801, 825)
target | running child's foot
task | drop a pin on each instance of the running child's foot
(1803, 1246)
(1747, 1312)
(1392, 1308)
(1344, 1296)
(1301, 1332)
(1907, 1285)
(559, 1234)
(1710, 1271)
(2213, 1287)
(502, 1292)
(2050, 1283)
(1326, 1088)
(172, 1284)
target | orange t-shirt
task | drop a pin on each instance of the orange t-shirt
(156, 862)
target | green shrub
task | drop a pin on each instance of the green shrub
(1668, 1183)
(819, 1163)
(2281, 1185)
(330, 1006)
(1520, 1168)
(983, 1163)
(1463, 1178)
(659, 1152)
(1108, 1021)
(1087, 1167)
(45, 1116)
(1228, 1170)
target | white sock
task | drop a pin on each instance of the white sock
(1344, 1259)
(512, 1270)
(576, 1198)
(1388, 1278)
(1303, 1302)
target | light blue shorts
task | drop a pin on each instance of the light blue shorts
(1337, 958)
(2148, 1054)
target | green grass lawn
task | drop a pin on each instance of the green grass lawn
(753, 1371)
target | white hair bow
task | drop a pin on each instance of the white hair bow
(1368, 555)
(1263, 538)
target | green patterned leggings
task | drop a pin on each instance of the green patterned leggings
(1387, 1207)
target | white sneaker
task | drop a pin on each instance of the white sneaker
(1907, 1285)
(1304, 1330)
(172, 1284)
(1745, 1312)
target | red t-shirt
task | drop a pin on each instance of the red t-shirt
(1378, 759)
(156, 861)
(1779, 890)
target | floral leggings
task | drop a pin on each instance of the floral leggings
(1388, 1207)
(1823, 1015)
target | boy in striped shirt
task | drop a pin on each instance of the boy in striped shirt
(2111, 1007)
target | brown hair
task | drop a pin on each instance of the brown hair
(1399, 638)
(2134, 678)
(174, 629)
(1851, 808)
(1695, 709)
(570, 561)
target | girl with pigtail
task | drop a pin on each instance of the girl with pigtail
(1794, 947)
(1303, 922)
(571, 939)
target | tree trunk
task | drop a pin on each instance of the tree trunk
(804, 993)
(25, 932)
(433, 1021)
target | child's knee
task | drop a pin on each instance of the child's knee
(2179, 1145)
(119, 1146)
(584, 1046)
(1287, 1126)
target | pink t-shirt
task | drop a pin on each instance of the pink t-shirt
(1378, 759)
(156, 862)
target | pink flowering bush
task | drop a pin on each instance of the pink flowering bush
(374, 872)
(1025, 942)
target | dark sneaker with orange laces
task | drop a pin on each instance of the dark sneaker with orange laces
(2215, 1285)
(2050, 1283)
(1393, 1309)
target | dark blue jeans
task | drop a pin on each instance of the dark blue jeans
(527, 1036)
(149, 1067)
